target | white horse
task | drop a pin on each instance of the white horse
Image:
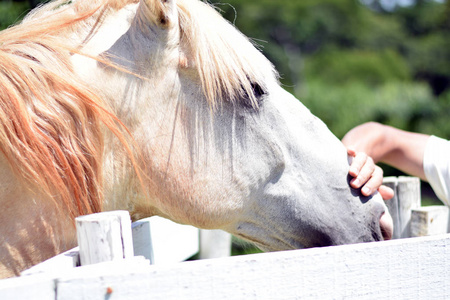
(216, 142)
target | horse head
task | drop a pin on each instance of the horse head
(224, 146)
(215, 141)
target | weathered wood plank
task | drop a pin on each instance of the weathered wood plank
(414, 268)
(392, 205)
(104, 236)
(39, 287)
(408, 189)
(429, 220)
(142, 239)
(99, 274)
(57, 264)
(162, 241)
(406, 198)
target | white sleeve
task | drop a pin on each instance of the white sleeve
(436, 165)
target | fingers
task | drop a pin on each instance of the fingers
(386, 192)
(371, 184)
(351, 151)
(362, 169)
(367, 176)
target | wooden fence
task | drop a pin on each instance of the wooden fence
(407, 268)
(410, 218)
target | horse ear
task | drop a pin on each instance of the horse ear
(162, 13)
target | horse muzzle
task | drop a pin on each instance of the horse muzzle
(386, 226)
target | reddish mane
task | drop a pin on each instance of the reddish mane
(51, 123)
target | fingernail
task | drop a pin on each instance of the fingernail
(356, 182)
(366, 191)
(354, 171)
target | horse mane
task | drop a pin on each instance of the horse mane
(51, 123)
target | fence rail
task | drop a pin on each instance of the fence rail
(407, 268)
(415, 268)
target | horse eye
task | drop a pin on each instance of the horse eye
(258, 91)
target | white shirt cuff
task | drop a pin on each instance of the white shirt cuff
(436, 165)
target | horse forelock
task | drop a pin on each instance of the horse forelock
(230, 67)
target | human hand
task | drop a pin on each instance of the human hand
(400, 149)
(367, 138)
(366, 175)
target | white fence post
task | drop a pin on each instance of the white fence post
(214, 244)
(408, 189)
(406, 198)
(392, 205)
(104, 237)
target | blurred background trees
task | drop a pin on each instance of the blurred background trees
(349, 61)
(354, 61)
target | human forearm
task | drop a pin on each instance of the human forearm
(403, 150)
(369, 138)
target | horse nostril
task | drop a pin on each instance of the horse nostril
(386, 226)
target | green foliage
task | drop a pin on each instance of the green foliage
(241, 247)
(438, 122)
(342, 107)
(11, 12)
(429, 54)
(369, 67)
(379, 32)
